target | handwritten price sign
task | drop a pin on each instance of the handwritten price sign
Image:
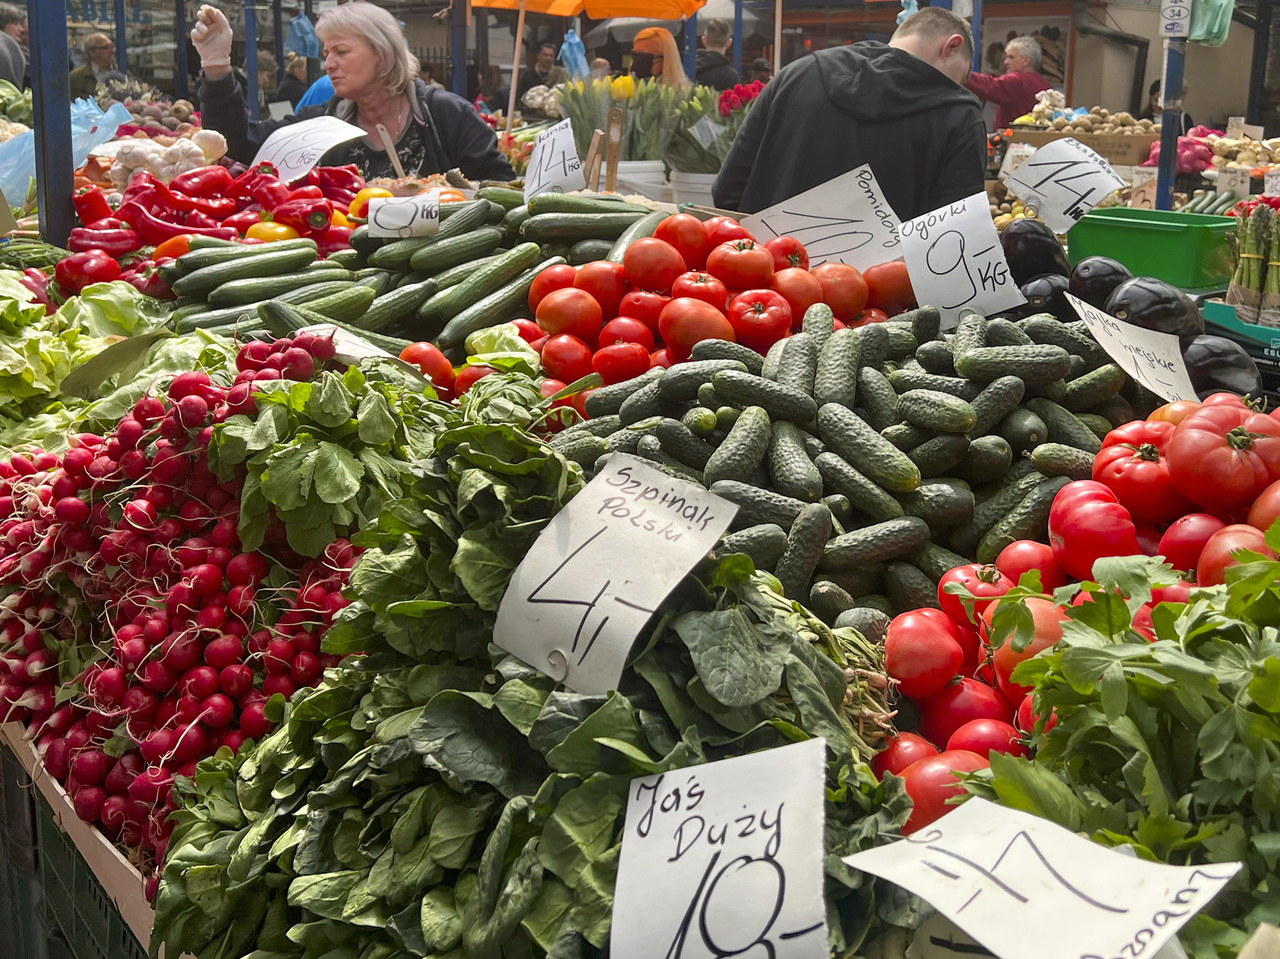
(955, 260)
(400, 217)
(997, 872)
(725, 859)
(296, 148)
(580, 598)
(1153, 359)
(554, 165)
(1064, 180)
(845, 220)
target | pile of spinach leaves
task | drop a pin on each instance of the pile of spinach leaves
(436, 797)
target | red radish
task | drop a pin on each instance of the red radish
(148, 409)
(71, 511)
(224, 534)
(113, 815)
(101, 725)
(205, 579)
(140, 515)
(254, 722)
(247, 569)
(192, 411)
(88, 802)
(235, 680)
(157, 745)
(233, 739)
(194, 551)
(189, 384)
(182, 651)
(305, 669)
(125, 770)
(78, 736)
(109, 686)
(279, 654)
(200, 682)
(157, 677)
(240, 601)
(191, 743)
(57, 759)
(279, 683)
(151, 786)
(224, 651)
(218, 711)
(139, 701)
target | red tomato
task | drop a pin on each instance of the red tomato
(1266, 508)
(723, 228)
(787, 253)
(1086, 523)
(1220, 552)
(571, 311)
(660, 358)
(552, 278)
(920, 654)
(760, 318)
(620, 361)
(566, 358)
(869, 315)
(433, 364)
(986, 583)
(889, 287)
(1174, 412)
(900, 752)
(1184, 540)
(741, 265)
(1223, 455)
(550, 387)
(843, 289)
(701, 286)
(800, 288)
(529, 330)
(607, 283)
(1142, 622)
(686, 321)
(1048, 618)
(624, 329)
(932, 781)
(653, 264)
(540, 342)
(943, 713)
(1179, 592)
(1028, 719)
(983, 736)
(1132, 465)
(468, 375)
(644, 306)
(1026, 554)
(687, 234)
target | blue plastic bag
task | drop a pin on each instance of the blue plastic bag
(574, 55)
(90, 127)
(909, 9)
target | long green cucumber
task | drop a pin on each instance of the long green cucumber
(495, 308)
(447, 304)
(640, 228)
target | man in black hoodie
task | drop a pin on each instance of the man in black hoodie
(897, 106)
(712, 66)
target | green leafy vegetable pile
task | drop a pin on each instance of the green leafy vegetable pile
(435, 796)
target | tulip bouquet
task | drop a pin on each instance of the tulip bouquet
(706, 125)
(649, 109)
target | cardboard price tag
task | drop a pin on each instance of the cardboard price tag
(1237, 129)
(1175, 18)
(725, 859)
(401, 217)
(554, 165)
(845, 220)
(1237, 180)
(1015, 155)
(1271, 183)
(1153, 359)
(1063, 181)
(1145, 187)
(997, 872)
(955, 260)
(296, 148)
(580, 597)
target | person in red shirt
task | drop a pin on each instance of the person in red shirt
(1014, 91)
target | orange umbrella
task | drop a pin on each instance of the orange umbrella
(595, 9)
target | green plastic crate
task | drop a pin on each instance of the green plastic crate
(1190, 250)
(75, 902)
(19, 892)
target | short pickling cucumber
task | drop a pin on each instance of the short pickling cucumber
(609, 399)
(1037, 363)
(743, 449)
(1023, 430)
(1116, 410)
(940, 455)
(756, 505)
(934, 560)
(806, 541)
(1055, 459)
(878, 399)
(792, 471)
(683, 380)
(764, 544)
(1063, 426)
(872, 623)
(938, 504)
(650, 448)
(1045, 329)
(769, 368)
(987, 459)
(997, 400)
(799, 363)
(902, 342)
(846, 434)
(679, 442)
(935, 357)
(841, 509)
(1002, 332)
(714, 349)
(908, 588)
(905, 436)
(818, 324)
(971, 333)
(828, 600)
(597, 426)
(1027, 520)
(875, 345)
(588, 251)
(864, 495)
(836, 379)
(1100, 425)
(965, 537)
(1094, 388)
(583, 448)
(700, 421)
(781, 402)
(858, 581)
(875, 544)
(642, 403)
(940, 412)
(1053, 390)
(926, 323)
(913, 379)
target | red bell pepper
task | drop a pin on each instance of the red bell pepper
(198, 219)
(1132, 465)
(332, 240)
(206, 181)
(215, 208)
(145, 278)
(91, 206)
(79, 270)
(240, 222)
(1222, 455)
(339, 183)
(1087, 522)
(155, 231)
(304, 215)
(114, 240)
(269, 191)
(308, 192)
(239, 187)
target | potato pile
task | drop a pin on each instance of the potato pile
(1100, 120)
(1232, 153)
(1005, 207)
(162, 117)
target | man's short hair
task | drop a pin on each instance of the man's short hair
(937, 23)
(1028, 47)
(718, 31)
(11, 14)
(547, 46)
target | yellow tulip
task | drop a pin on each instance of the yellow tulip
(623, 87)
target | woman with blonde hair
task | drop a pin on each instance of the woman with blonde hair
(654, 54)
(294, 84)
(375, 84)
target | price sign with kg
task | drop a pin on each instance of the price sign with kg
(585, 590)
(400, 217)
(297, 147)
(1064, 180)
(955, 260)
(554, 165)
(1152, 358)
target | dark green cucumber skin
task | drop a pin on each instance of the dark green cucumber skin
(806, 541)
(609, 399)
(883, 541)
(872, 623)
(764, 544)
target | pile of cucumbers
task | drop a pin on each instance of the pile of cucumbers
(1207, 201)
(868, 461)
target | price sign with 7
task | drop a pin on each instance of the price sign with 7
(1066, 180)
(554, 165)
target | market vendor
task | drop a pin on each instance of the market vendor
(1014, 91)
(375, 82)
(654, 54)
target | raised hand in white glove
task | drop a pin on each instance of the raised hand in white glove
(212, 37)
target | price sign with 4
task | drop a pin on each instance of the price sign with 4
(401, 217)
(554, 165)
(1064, 180)
(585, 590)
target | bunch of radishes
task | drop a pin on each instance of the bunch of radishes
(123, 553)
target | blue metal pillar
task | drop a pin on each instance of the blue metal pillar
(55, 172)
(277, 16)
(122, 54)
(737, 38)
(251, 58)
(1175, 52)
(976, 25)
(691, 46)
(458, 53)
(944, 4)
(180, 38)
